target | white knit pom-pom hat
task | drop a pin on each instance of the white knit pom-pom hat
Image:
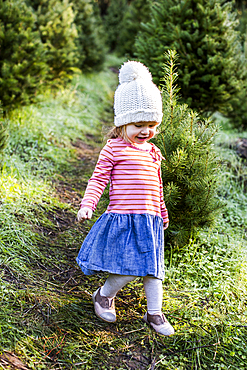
(137, 98)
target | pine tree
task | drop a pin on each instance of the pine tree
(55, 23)
(242, 17)
(103, 5)
(138, 11)
(22, 58)
(91, 39)
(241, 4)
(113, 21)
(189, 171)
(203, 33)
(238, 114)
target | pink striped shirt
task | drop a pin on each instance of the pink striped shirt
(135, 180)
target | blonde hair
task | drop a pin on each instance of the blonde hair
(116, 132)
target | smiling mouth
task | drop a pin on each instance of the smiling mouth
(142, 138)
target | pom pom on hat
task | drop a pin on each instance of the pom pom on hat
(133, 70)
(137, 98)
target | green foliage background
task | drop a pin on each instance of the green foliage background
(91, 40)
(113, 21)
(69, 34)
(211, 63)
(138, 11)
(55, 24)
(23, 65)
(45, 43)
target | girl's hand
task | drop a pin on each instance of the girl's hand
(166, 225)
(84, 213)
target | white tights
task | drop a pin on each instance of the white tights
(152, 286)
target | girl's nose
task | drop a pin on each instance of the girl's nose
(145, 129)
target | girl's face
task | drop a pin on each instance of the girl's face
(140, 132)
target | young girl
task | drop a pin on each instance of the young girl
(127, 240)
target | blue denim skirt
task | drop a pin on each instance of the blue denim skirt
(125, 244)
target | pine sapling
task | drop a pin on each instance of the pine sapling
(190, 169)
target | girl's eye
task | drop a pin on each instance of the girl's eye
(138, 125)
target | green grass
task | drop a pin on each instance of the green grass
(46, 313)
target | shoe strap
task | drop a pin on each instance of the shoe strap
(104, 302)
(156, 319)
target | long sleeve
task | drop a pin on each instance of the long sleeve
(99, 179)
(163, 209)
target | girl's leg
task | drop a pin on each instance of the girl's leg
(154, 294)
(154, 316)
(103, 298)
(114, 283)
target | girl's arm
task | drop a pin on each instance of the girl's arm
(99, 179)
(164, 212)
